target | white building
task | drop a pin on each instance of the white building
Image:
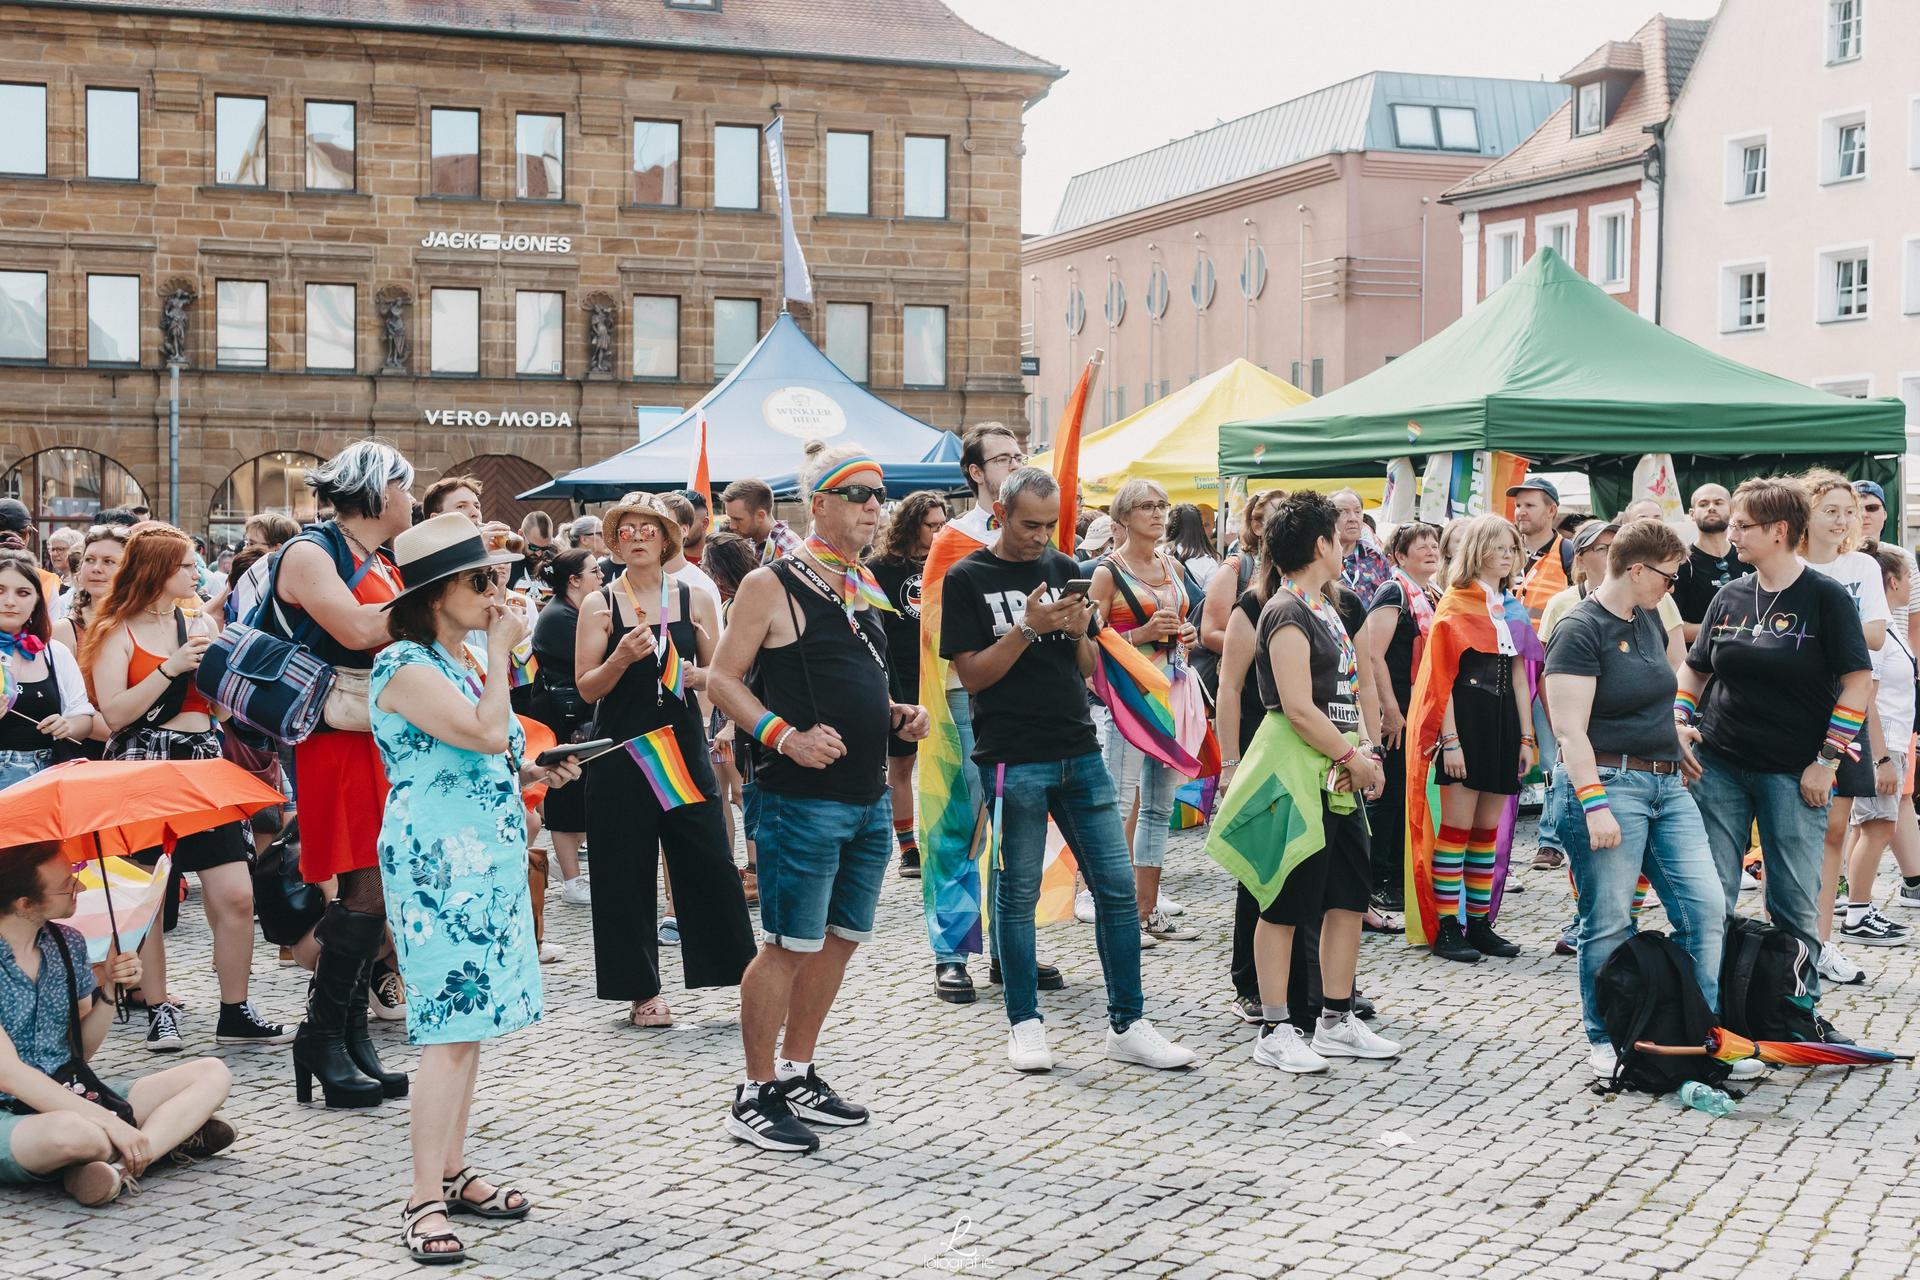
(1793, 197)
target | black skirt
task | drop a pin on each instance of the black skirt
(1488, 724)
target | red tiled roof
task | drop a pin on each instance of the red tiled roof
(916, 32)
(1659, 56)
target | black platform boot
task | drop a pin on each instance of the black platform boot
(319, 1048)
(360, 1045)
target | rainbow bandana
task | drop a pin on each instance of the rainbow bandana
(851, 467)
(665, 769)
(858, 582)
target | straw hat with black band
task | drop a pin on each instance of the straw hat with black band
(640, 506)
(438, 548)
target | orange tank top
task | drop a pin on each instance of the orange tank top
(143, 664)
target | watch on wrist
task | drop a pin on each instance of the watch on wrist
(1033, 637)
(1882, 760)
(1829, 754)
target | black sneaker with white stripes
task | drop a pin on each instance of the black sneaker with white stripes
(813, 1100)
(163, 1029)
(760, 1115)
(1875, 930)
(241, 1024)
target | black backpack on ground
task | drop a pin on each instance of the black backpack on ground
(1647, 991)
(1763, 983)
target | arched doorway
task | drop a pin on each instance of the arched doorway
(502, 476)
(272, 482)
(69, 487)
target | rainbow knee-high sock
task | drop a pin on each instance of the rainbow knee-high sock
(1479, 873)
(1449, 856)
(904, 837)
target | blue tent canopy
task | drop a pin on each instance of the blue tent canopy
(783, 394)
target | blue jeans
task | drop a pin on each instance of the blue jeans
(1660, 832)
(960, 707)
(821, 866)
(18, 766)
(1078, 792)
(1731, 800)
(1129, 764)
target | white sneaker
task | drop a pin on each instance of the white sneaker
(1351, 1038)
(1513, 881)
(1286, 1049)
(1027, 1046)
(1601, 1060)
(576, 892)
(1168, 907)
(1148, 941)
(551, 951)
(1748, 884)
(1083, 906)
(1835, 967)
(1142, 1044)
(1157, 925)
(1747, 1069)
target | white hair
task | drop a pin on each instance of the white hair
(354, 481)
(1130, 495)
(1033, 480)
(820, 460)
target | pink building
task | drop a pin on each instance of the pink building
(1304, 237)
(1581, 183)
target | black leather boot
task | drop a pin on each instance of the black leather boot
(360, 1044)
(319, 1047)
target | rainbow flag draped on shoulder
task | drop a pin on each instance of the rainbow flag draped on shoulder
(1466, 618)
(1166, 721)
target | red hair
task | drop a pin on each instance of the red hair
(153, 556)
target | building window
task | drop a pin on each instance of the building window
(925, 194)
(539, 143)
(330, 146)
(849, 338)
(23, 143)
(736, 327)
(272, 483)
(849, 172)
(1610, 247)
(240, 141)
(1845, 30)
(1424, 128)
(1854, 388)
(113, 134)
(240, 324)
(1556, 232)
(1504, 241)
(1850, 151)
(1843, 284)
(330, 326)
(1590, 109)
(456, 152)
(1414, 127)
(736, 166)
(656, 337)
(1910, 304)
(1743, 298)
(656, 162)
(1746, 168)
(456, 331)
(539, 334)
(23, 315)
(1913, 132)
(924, 339)
(113, 319)
(1459, 128)
(69, 487)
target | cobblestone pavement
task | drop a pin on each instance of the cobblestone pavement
(1479, 1153)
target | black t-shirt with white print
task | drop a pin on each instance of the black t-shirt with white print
(1037, 711)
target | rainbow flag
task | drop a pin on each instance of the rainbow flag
(951, 880)
(1469, 483)
(1193, 803)
(9, 688)
(1140, 698)
(673, 672)
(665, 769)
(1066, 455)
(523, 668)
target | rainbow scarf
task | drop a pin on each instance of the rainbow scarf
(1147, 708)
(857, 581)
(1467, 618)
(665, 769)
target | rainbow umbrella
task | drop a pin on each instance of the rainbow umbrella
(138, 895)
(1729, 1047)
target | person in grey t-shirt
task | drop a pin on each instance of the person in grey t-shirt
(1619, 788)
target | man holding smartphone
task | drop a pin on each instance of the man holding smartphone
(1023, 647)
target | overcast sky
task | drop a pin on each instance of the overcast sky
(1143, 72)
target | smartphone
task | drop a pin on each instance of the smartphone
(1077, 587)
(581, 751)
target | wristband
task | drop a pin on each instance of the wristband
(1350, 754)
(1844, 726)
(781, 741)
(767, 732)
(1228, 764)
(1592, 798)
(1686, 708)
(1824, 763)
(1528, 740)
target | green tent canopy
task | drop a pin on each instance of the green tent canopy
(1553, 368)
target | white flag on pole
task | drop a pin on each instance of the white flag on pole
(799, 285)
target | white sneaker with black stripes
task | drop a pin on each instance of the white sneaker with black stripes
(760, 1115)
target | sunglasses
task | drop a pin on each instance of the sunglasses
(636, 532)
(1672, 578)
(481, 581)
(858, 494)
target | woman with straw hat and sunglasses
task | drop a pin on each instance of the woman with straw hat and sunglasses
(453, 854)
(640, 654)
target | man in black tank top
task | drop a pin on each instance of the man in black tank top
(810, 621)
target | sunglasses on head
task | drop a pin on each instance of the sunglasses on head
(857, 494)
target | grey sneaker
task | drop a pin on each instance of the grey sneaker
(1160, 926)
(1909, 896)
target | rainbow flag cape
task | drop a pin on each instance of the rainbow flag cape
(1141, 698)
(1463, 620)
(945, 807)
(665, 769)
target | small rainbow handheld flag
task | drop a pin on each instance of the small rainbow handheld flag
(9, 688)
(523, 668)
(659, 758)
(673, 673)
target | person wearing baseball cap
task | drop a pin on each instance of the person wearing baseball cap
(1549, 567)
(16, 534)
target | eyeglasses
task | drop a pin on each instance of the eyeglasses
(1017, 459)
(858, 494)
(1671, 578)
(1741, 526)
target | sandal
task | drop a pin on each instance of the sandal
(651, 1013)
(494, 1206)
(418, 1242)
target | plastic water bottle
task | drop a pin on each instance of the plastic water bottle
(1704, 1097)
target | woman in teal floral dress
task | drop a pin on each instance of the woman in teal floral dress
(453, 855)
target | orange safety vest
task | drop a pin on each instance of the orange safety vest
(1545, 580)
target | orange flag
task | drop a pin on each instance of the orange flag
(1066, 454)
(697, 477)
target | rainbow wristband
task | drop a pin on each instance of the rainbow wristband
(767, 732)
(1592, 798)
(1845, 726)
(1686, 708)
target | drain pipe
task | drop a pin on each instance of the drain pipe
(1655, 169)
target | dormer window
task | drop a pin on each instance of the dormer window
(1590, 109)
(707, 6)
(1427, 128)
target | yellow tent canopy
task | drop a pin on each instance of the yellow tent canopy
(1176, 439)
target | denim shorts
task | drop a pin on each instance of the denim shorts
(821, 863)
(11, 1174)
